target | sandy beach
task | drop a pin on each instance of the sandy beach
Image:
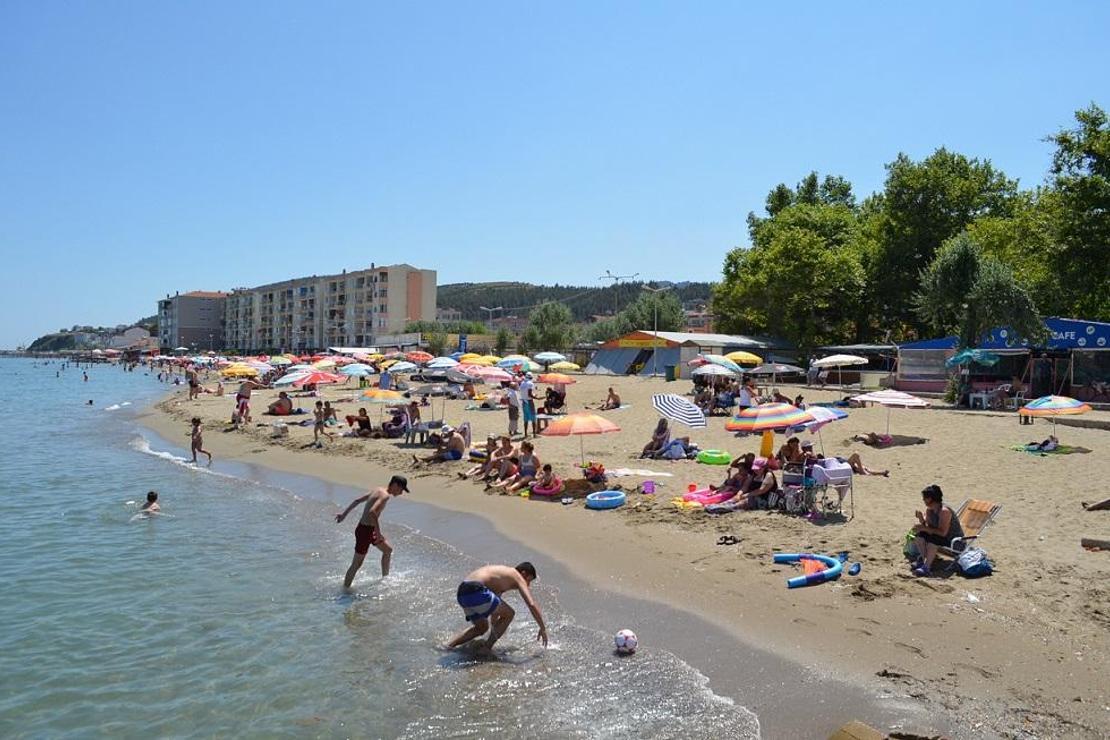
(1019, 654)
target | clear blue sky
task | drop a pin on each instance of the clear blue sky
(147, 147)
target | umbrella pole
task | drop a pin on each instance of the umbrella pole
(582, 450)
(888, 421)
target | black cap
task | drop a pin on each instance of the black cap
(400, 480)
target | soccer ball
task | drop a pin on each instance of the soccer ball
(626, 642)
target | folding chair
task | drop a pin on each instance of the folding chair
(975, 516)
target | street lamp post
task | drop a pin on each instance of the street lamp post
(489, 321)
(655, 344)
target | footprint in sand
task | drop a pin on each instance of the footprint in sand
(803, 620)
(911, 648)
(983, 672)
(869, 620)
(859, 631)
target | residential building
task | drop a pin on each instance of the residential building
(348, 309)
(194, 320)
(699, 320)
(447, 315)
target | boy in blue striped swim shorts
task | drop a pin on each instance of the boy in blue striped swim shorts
(479, 595)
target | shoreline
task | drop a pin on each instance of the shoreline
(841, 629)
(771, 686)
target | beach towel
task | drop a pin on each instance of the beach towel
(1060, 450)
(624, 472)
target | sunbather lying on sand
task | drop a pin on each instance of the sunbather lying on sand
(874, 440)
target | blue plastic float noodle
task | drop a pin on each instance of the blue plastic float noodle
(831, 572)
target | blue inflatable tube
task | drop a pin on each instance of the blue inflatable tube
(833, 568)
(605, 499)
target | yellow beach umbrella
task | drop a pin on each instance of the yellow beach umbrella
(324, 364)
(492, 359)
(744, 358)
(565, 367)
(468, 356)
(239, 371)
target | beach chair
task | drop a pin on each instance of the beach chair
(1015, 402)
(975, 516)
(835, 475)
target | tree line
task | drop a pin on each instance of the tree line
(951, 245)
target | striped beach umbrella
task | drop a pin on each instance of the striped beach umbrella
(1053, 406)
(677, 408)
(723, 362)
(822, 416)
(580, 424)
(768, 416)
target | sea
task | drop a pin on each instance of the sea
(225, 615)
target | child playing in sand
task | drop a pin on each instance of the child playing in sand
(198, 441)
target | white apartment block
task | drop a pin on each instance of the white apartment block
(349, 309)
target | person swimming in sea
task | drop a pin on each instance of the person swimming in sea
(151, 506)
(480, 596)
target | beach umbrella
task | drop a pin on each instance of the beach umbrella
(492, 359)
(724, 362)
(239, 371)
(262, 367)
(490, 374)
(431, 389)
(419, 356)
(357, 370)
(557, 379)
(677, 408)
(774, 369)
(280, 360)
(714, 370)
(319, 378)
(839, 361)
(299, 368)
(580, 424)
(466, 356)
(478, 361)
(768, 416)
(549, 358)
(402, 367)
(744, 358)
(564, 367)
(822, 416)
(387, 398)
(291, 378)
(323, 363)
(441, 363)
(1053, 406)
(891, 399)
(458, 377)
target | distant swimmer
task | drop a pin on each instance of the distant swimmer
(369, 531)
(86, 376)
(198, 441)
(479, 595)
(89, 402)
(151, 506)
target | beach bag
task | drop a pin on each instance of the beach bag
(974, 563)
(909, 546)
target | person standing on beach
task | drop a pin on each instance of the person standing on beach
(319, 428)
(243, 399)
(369, 532)
(528, 404)
(514, 408)
(198, 441)
(191, 379)
(479, 595)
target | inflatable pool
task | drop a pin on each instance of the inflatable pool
(708, 496)
(555, 489)
(605, 499)
(833, 568)
(714, 457)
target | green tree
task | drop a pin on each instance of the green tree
(833, 190)
(642, 313)
(968, 293)
(550, 327)
(1081, 178)
(923, 204)
(503, 340)
(436, 342)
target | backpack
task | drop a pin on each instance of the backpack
(974, 563)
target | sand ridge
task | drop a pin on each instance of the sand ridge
(1021, 651)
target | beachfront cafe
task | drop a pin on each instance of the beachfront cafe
(668, 353)
(1073, 361)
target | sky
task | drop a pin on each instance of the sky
(148, 147)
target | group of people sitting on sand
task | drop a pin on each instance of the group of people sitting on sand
(508, 469)
(664, 447)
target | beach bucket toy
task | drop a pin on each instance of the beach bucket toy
(714, 457)
(605, 500)
(691, 487)
(648, 486)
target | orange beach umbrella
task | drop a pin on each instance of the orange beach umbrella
(580, 424)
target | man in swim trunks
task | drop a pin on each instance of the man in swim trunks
(243, 399)
(453, 448)
(479, 595)
(368, 532)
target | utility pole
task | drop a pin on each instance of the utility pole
(655, 347)
(616, 281)
(489, 321)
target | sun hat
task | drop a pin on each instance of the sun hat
(807, 443)
(759, 462)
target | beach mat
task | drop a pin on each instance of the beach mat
(1061, 450)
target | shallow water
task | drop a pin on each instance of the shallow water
(225, 616)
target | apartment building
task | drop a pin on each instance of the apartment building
(349, 309)
(194, 320)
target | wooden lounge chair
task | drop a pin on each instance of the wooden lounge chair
(975, 516)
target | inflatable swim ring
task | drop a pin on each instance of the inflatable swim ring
(555, 489)
(714, 457)
(707, 496)
(605, 500)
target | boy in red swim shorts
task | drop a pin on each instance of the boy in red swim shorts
(368, 532)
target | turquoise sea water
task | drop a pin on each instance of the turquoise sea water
(226, 617)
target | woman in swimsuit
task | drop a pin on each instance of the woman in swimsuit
(528, 467)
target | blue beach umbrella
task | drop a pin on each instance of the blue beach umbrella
(357, 370)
